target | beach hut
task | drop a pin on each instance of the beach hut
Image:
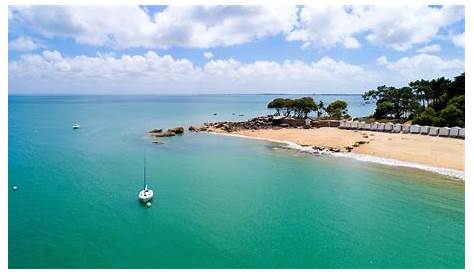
(444, 132)
(374, 126)
(461, 133)
(361, 125)
(424, 130)
(380, 126)
(415, 129)
(405, 128)
(345, 125)
(354, 124)
(434, 131)
(397, 128)
(367, 126)
(454, 132)
(388, 127)
(342, 124)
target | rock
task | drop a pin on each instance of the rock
(177, 130)
(164, 134)
(306, 126)
(214, 114)
(197, 128)
(284, 125)
(155, 130)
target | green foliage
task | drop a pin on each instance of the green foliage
(438, 102)
(452, 115)
(383, 109)
(392, 102)
(278, 104)
(337, 109)
(300, 107)
(426, 117)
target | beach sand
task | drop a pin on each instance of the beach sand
(422, 149)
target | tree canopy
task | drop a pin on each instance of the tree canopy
(337, 109)
(438, 102)
(302, 107)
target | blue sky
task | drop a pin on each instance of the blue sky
(218, 49)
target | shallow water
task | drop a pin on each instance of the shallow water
(221, 202)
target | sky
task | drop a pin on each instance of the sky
(230, 49)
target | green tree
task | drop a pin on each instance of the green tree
(452, 115)
(278, 104)
(383, 109)
(304, 106)
(426, 117)
(392, 102)
(337, 109)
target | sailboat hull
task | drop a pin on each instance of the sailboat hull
(145, 195)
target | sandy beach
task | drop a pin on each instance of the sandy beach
(422, 149)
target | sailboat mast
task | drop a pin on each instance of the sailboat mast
(144, 171)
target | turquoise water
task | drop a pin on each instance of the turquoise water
(221, 202)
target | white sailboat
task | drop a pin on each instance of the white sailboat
(76, 126)
(145, 195)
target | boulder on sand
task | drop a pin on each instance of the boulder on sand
(177, 130)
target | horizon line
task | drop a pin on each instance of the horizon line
(169, 94)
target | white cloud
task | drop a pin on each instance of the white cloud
(458, 40)
(151, 73)
(131, 26)
(208, 55)
(425, 66)
(396, 27)
(382, 60)
(430, 48)
(23, 43)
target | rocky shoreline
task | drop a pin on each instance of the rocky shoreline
(257, 123)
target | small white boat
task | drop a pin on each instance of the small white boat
(76, 126)
(145, 195)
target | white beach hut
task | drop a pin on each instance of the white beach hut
(454, 132)
(388, 127)
(397, 128)
(424, 130)
(406, 128)
(367, 126)
(444, 132)
(434, 131)
(361, 125)
(415, 129)
(354, 124)
(380, 127)
(461, 133)
(342, 125)
(374, 126)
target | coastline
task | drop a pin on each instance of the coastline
(357, 154)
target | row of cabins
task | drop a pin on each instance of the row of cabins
(455, 132)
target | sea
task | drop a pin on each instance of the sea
(220, 201)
